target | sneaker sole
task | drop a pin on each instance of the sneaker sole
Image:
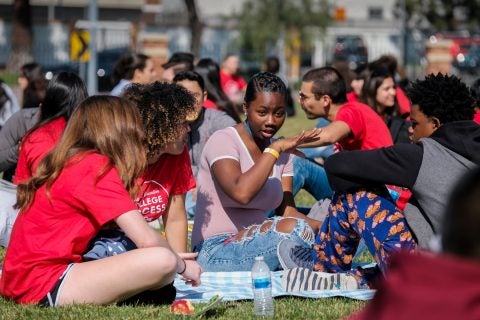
(301, 279)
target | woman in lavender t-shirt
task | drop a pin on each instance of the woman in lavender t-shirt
(243, 175)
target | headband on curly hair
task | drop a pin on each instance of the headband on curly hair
(164, 107)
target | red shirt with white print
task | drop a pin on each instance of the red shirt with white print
(170, 175)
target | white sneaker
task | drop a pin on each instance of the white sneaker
(301, 279)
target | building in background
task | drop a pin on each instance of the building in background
(370, 24)
(360, 30)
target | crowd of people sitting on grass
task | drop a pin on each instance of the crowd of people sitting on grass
(91, 174)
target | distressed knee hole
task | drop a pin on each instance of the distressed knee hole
(286, 225)
(251, 231)
(267, 225)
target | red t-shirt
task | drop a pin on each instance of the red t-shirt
(351, 96)
(52, 233)
(368, 129)
(209, 104)
(170, 175)
(36, 146)
(232, 84)
(476, 117)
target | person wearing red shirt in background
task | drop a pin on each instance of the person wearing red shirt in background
(88, 180)
(475, 91)
(354, 125)
(232, 84)
(216, 98)
(379, 92)
(64, 92)
(360, 74)
(390, 63)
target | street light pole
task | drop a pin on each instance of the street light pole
(92, 64)
(404, 32)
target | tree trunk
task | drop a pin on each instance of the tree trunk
(21, 39)
(196, 27)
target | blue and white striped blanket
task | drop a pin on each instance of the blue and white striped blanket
(238, 286)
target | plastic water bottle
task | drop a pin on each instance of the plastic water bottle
(262, 288)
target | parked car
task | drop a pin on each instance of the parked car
(469, 61)
(350, 48)
(105, 62)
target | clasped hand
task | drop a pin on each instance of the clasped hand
(193, 270)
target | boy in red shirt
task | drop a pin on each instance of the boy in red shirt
(354, 125)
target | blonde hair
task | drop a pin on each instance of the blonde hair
(107, 125)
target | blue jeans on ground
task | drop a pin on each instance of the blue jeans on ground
(225, 253)
(190, 205)
(309, 175)
(318, 152)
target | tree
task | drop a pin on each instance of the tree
(263, 23)
(22, 36)
(447, 15)
(196, 27)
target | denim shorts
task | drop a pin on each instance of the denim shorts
(224, 253)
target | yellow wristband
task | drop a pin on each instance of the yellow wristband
(272, 151)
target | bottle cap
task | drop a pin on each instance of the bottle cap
(259, 258)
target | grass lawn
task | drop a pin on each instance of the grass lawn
(285, 308)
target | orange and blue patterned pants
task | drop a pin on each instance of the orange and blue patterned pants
(360, 215)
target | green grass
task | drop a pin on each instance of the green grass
(285, 308)
(9, 78)
(292, 126)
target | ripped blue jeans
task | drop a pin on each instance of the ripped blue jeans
(235, 252)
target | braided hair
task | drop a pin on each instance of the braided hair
(264, 82)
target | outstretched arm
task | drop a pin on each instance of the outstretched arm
(397, 165)
(243, 187)
(330, 134)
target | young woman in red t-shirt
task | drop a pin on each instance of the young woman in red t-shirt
(64, 92)
(88, 180)
(164, 109)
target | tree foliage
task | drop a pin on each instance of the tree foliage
(447, 15)
(263, 23)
